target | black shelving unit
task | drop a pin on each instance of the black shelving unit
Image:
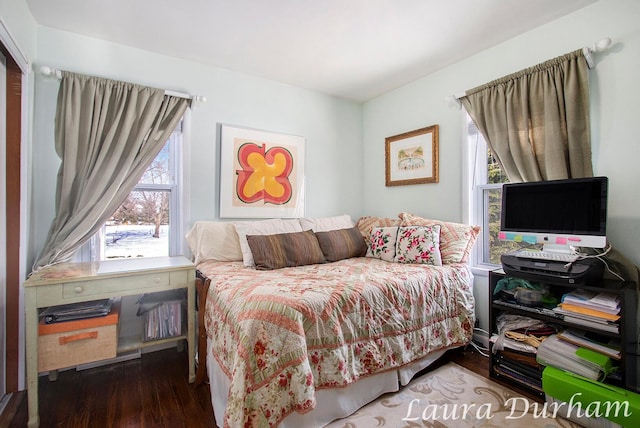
(626, 376)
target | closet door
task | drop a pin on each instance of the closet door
(3, 224)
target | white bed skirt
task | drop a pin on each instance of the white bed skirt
(331, 404)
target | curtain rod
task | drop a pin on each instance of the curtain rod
(54, 72)
(599, 46)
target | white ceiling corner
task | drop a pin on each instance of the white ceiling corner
(356, 49)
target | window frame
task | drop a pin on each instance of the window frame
(93, 250)
(477, 194)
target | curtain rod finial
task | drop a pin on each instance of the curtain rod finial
(453, 101)
(603, 44)
(600, 45)
(48, 71)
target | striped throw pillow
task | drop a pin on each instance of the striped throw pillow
(342, 244)
(285, 250)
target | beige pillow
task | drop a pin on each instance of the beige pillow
(325, 224)
(214, 240)
(262, 227)
(366, 223)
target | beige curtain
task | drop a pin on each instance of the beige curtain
(106, 133)
(536, 121)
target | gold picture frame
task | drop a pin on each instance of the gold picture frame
(412, 157)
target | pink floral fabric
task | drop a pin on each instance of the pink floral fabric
(456, 239)
(281, 335)
(382, 243)
(418, 244)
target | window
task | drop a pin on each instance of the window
(147, 222)
(485, 199)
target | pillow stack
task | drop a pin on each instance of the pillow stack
(455, 240)
(279, 243)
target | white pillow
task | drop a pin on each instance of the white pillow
(262, 227)
(326, 224)
(214, 240)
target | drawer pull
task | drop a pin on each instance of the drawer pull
(78, 289)
(80, 336)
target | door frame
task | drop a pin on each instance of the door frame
(17, 71)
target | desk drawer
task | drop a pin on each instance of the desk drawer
(115, 284)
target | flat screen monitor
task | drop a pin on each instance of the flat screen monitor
(560, 214)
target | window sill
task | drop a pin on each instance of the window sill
(483, 270)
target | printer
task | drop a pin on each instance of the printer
(580, 272)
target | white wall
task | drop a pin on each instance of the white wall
(614, 113)
(331, 126)
(17, 18)
(345, 141)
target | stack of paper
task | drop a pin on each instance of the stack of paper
(598, 343)
(596, 310)
(602, 302)
(163, 321)
(162, 312)
(567, 356)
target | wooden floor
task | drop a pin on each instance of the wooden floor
(152, 391)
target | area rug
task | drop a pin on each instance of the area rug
(451, 397)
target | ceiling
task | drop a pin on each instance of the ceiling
(356, 49)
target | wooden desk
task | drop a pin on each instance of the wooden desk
(80, 282)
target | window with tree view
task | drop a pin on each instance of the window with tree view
(486, 198)
(143, 225)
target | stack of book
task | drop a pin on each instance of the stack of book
(596, 310)
(515, 354)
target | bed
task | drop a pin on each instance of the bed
(302, 342)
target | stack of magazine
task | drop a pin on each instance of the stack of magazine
(162, 313)
(76, 311)
(590, 309)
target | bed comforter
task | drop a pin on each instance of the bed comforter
(281, 335)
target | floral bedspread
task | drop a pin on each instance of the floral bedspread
(281, 335)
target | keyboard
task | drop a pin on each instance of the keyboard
(546, 255)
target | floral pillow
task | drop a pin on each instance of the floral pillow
(382, 243)
(456, 239)
(418, 244)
